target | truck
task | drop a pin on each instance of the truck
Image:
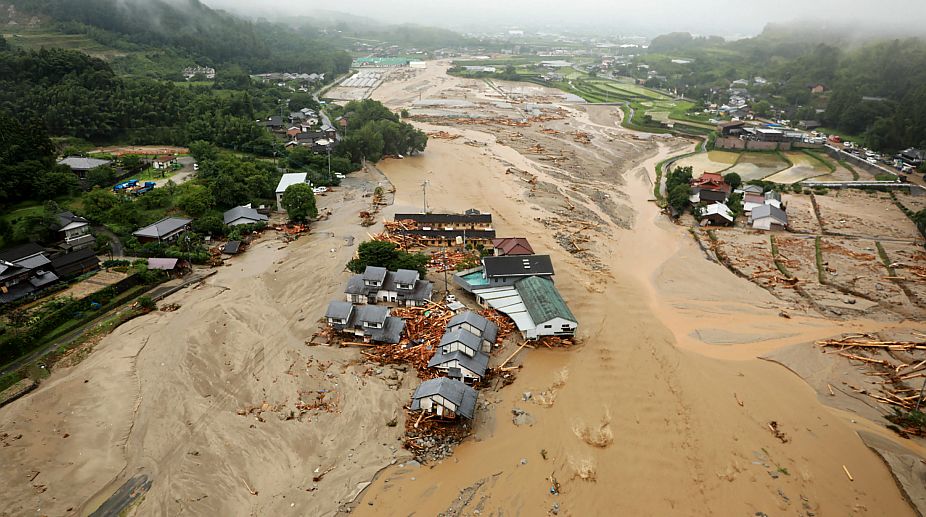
(147, 187)
(125, 185)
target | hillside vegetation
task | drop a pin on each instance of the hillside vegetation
(141, 35)
(875, 88)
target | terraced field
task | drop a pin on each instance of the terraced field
(36, 38)
(756, 166)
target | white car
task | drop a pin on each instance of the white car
(339, 176)
(319, 190)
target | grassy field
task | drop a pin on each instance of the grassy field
(38, 37)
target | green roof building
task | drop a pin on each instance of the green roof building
(547, 309)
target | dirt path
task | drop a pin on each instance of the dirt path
(664, 409)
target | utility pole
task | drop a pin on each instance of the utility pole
(919, 400)
(424, 190)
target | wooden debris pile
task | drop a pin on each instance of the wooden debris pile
(555, 342)
(170, 307)
(424, 327)
(366, 218)
(548, 131)
(431, 438)
(898, 363)
(452, 260)
(536, 149)
(582, 137)
(443, 135)
(320, 400)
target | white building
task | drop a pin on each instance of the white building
(287, 180)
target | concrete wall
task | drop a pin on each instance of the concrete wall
(858, 163)
(736, 144)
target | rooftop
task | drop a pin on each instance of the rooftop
(543, 300)
(488, 328)
(472, 341)
(513, 246)
(162, 228)
(242, 212)
(79, 163)
(455, 391)
(291, 178)
(518, 265)
(468, 218)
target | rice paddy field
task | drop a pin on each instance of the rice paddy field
(804, 167)
(712, 161)
(756, 166)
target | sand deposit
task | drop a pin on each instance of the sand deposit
(662, 409)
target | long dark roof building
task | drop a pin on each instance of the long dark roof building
(429, 219)
(518, 265)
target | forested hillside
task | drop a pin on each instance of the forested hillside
(191, 29)
(875, 88)
(73, 94)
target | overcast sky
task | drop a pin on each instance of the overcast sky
(722, 17)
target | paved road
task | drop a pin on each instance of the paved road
(182, 175)
(115, 244)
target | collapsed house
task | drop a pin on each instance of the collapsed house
(372, 323)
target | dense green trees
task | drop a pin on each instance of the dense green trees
(733, 179)
(192, 30)
(27, 163)
(387, 255)
(299, 202)
(374, 132)
(77, 95)
(678, 189)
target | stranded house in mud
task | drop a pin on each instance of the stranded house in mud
(520, 286)
(439, 230)
(378, 284)
(368, 322)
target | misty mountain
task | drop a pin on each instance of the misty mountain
(209, 36)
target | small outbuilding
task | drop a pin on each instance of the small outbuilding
(446, 398)
(717, 214)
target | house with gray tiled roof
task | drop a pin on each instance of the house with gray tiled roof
(447, 398)
(165, 230)
(377, 284)
(372, 323)
(477, 325)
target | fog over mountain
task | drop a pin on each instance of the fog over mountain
(721, 17)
